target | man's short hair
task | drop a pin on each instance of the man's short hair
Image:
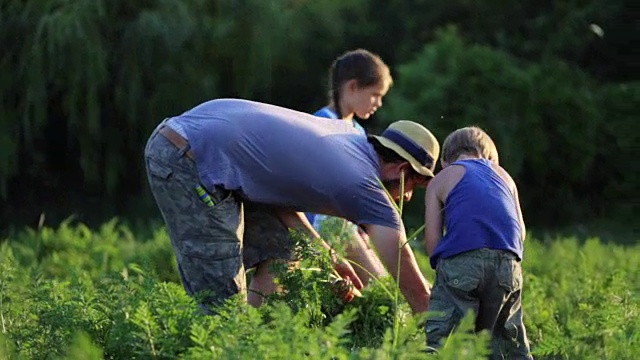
(387, 155)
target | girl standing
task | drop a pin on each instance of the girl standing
(358, 80)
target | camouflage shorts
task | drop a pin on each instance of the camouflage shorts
(213, 246)
(488, 282)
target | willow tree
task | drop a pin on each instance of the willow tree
(101, 74)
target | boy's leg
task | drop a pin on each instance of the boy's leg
(509, 331)
(501, 307)
(513, 343)
(206, 240)
(453, 295)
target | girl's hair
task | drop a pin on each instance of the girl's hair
(470, 140)
(361, 65)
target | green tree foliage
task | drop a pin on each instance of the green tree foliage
(102, 74)
(84, 82)
(557, 130)
(592, 34)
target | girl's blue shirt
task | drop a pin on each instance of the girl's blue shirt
(326, 112)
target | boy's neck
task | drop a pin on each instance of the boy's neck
(466, 157)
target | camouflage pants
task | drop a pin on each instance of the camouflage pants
(212, 245)
(488, 282)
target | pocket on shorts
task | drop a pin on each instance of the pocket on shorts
(213, 268)
(510, 275)
(221, 199)
(158, 169)
(208, 250)
(459, 274)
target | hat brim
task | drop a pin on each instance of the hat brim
(419, 168)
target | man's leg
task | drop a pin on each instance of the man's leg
(266, 240)
(262, 284)
(206, 240)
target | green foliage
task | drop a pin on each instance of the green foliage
(84, 82)
(80, 73)
(457, 346)
(588, 34)
(82, 347)
(54, 252)
(580, 301)
(308, 288)
(585, 309)
(552, 129)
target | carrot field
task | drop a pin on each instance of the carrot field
(70, 292)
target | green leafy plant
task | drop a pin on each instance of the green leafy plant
(580, 300)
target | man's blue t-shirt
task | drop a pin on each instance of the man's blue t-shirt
(286, 158)
(326, 112)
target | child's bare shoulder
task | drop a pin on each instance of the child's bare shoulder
(447, 179)
(450, 172)
(504, 174)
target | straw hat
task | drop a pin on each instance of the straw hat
(414, 143)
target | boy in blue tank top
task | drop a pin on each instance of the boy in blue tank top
(477, 260)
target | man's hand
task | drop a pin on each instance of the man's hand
(345, 270)
(345, 289)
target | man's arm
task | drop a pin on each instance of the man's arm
(392, 246)
(297, 220)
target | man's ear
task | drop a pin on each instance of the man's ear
(405, 167)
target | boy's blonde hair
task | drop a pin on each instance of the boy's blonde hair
(470, 140)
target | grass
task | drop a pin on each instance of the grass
(70, 292)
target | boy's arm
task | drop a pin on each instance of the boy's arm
(432, 216)
(523, 231)
(392, 246)
(516, 199)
